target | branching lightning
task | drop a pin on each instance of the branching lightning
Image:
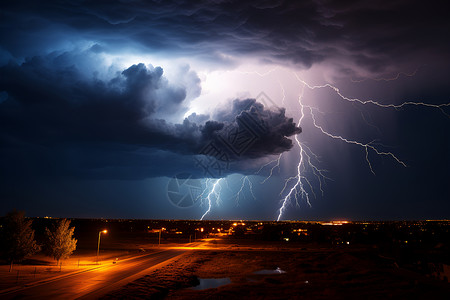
(298, 189)
(309, 179)
(366, 146)
(277, 165)
(250, 186)
(215, 192)
(397, 76)
(301, 181)
(373, 102)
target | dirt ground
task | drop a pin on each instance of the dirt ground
(310, 273)
(40, 267)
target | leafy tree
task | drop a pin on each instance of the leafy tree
(59, 242)
(17, 238)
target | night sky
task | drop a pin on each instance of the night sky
(225, 109)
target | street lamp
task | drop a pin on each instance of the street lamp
(98, 244)
(159, 239)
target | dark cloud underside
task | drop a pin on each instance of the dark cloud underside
(376, 36)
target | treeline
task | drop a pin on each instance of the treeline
(17, 239)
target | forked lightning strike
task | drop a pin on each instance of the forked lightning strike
(366, 146)
(364, 102)
(397, 76)
(213, 192)
(300, 180)
(298, 189)
(241, 190)
(307, 169)
(277, 165)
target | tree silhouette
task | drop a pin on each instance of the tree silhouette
(59, 243)
(17, 238)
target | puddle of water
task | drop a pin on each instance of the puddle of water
(209, 283)
(268, 272)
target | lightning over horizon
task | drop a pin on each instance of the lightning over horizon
(250, 188)
(213, 193)
(309, 176)
(298, 189)
(230, 110)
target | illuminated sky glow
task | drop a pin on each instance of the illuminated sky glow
(102, 106)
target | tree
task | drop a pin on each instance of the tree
(59, 242)
(17, 238)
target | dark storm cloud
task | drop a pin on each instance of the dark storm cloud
(52, 100)
(270, 127)
(56, 117)
(59, 119)
(377, 36)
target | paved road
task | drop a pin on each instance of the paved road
(93, 284)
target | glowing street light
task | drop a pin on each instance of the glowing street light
(98, 244)
(159, 239)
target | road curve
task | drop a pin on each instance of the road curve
(95, 283)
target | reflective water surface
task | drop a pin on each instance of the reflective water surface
(268, 272)
(209, 283)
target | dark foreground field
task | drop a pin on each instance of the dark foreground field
(242, 260)
(311, 272)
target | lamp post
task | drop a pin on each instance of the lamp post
(98, 244)
(159, 238)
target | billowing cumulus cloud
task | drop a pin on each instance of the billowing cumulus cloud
(45, 91)
(268, 128)
(106, 123)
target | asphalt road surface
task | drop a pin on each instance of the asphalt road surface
(94, 283)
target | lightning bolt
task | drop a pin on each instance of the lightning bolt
(250, 186)
(301, 182)
(298, 189)
(309, 178)
(202, 194)
(367, 146)
(373, 102)
(283, 93)
(259, 73)
(277, 165)
(397, 76)
(213, 193)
